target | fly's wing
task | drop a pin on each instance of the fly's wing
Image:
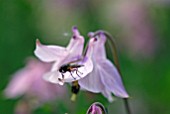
(76, 66)
(75, 61)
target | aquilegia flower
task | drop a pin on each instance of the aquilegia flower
(28, 82)
(69, 64)
(104, 78)
(96, 108)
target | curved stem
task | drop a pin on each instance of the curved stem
(116, 61)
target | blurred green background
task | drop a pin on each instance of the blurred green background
(141, 29)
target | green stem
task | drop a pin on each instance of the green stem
(116, 61)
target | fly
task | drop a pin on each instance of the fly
(70, 67)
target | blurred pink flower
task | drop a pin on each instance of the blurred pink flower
(104, 78)
(62, 56)
(28, 82)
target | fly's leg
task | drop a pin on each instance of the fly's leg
(72, 76)
(62, 77)
(78, 72)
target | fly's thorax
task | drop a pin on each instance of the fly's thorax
(64, 68)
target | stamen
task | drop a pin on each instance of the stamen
(74, 89)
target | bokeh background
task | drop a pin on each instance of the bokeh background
(142, 32)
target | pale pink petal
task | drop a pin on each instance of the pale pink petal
(77, 39)
(109, 75)
(77, 48)
(76, 45)
(49, 53)
(90, 47)
(92, 81)
(108, 95)
(74, 48)
(111, 79)
(99, 48)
